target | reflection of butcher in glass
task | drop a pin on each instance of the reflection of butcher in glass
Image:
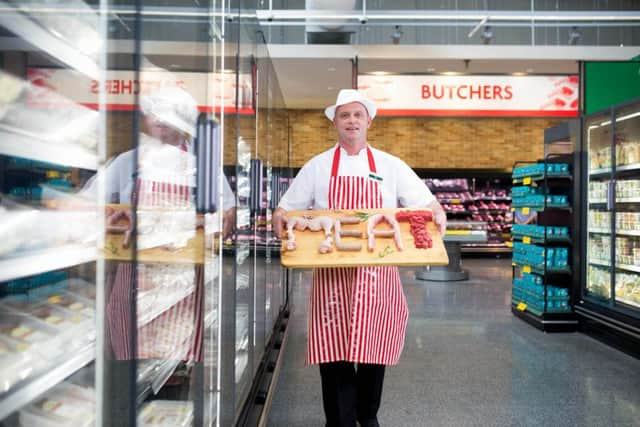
(161, 187)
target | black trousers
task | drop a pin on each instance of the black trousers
(351, 393)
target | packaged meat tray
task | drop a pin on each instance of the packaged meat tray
(166, 413)
(366, 237)
(34, 337)
(16, 363)
(66, 405)
(73, 303)
(70, 327)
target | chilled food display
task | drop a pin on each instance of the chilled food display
(628, 289)
(64, 405)
(25, 229)
(166, 413)
(464, 202)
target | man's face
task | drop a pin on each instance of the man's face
(163, 132)
(351, 122)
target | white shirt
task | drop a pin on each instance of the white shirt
(400, 185)
(119, 177)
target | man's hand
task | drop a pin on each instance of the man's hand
(439, 216)
(278, 221)
(228, 223)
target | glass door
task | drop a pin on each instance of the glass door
(599, 203)
(627, 208)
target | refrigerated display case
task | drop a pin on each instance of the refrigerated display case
(120, 307)
(476, 196)
(50, 144)
(609, 304)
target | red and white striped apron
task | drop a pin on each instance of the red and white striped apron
(176, 334)
(356, 314)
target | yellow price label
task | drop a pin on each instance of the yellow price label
(527, 240)
(54, 299)
(508, 244)
(526, 180)
(459, 232)
(525, 211)
(521, 306)
(526, 269)
(455, 201)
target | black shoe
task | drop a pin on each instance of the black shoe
(370, 423)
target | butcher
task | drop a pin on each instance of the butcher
(357, 316)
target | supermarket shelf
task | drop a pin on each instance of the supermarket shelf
(33, 147)
(485, 248)
(27, 29)
(631, 167)
(628, 200)
(597, 202)
(627, 302)
(23, 394)
(49, 259)
(541, 177)
(618, 232)
(628, 232)
(600, 263)
(594, 173)
(627, 267)
(539, 269)
(539, 240)
(600, 231)
(549, 322)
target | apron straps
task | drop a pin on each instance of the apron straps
(336, 161)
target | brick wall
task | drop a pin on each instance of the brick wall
(430, 142)
(421, 142)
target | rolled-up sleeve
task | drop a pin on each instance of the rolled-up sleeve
(300, 193)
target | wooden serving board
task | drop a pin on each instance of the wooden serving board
(193, 253)
(306, 254)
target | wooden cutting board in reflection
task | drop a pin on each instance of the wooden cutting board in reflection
(306, 255)
(114, 248)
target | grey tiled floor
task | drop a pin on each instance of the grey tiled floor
(468, 362)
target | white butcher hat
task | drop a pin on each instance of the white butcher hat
(173, 106)
(347, 96)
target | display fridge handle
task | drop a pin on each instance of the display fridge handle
(610, 194)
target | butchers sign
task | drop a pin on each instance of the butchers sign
(493, 96)
(213, 92)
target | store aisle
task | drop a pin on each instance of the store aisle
(468, 362)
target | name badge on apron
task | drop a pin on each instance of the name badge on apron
(375, 177)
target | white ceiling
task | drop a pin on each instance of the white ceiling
(311, 75)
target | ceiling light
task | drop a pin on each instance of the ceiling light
(396, 35)
(380, 73)
(451, 73)
(574, 35)
(487, 34)
(518, 73)
(431, 70)
(331, 69)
